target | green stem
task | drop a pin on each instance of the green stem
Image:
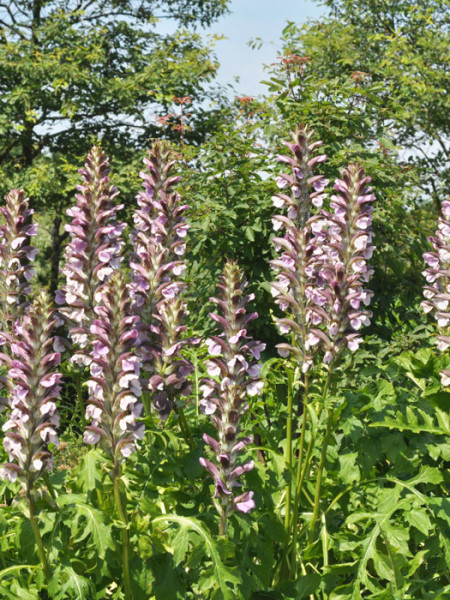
(323, 455)
(312, 439)
(80, 403)
(223, 522)
(37, 535)
(293, 525)
(123, 517)
(288, 457)
(197, 390)
(146, 401)
(306, 464)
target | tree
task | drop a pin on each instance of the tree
(75, 72)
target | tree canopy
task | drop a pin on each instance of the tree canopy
(78, 72)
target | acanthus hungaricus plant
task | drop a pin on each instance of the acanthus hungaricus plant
(234, 372)
(157, 264)
(322, 267)
(33, 418)
(114, 391)
(94, 251)
(437, 292)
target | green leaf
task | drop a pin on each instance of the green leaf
(15, 568)
(419, 519)
(67, 583)
(349, 472)
(89, 474)
(303, 587)
(87, 522)
(223, 574)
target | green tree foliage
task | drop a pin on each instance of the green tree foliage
(80, 71)
(370, 77)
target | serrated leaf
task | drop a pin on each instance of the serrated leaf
(419, 519)
(180, 544)
(89, 474)
(303, 587)
(349, 472)
(223, 574)
(67, 583)
(88, 521)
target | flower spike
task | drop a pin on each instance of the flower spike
(344, 263)
(159, 245)
(114, 386)
(93, 253)
(34, 388)
(234, 375)
(437, 292)
(297, 287)
(16, 255)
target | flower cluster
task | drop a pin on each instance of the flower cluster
(296, 288)
(169, 370)
(234, 375)
(344, 264)
(159, 245)
(34, 387)
(114, 386)
(16, 254)
(437, 292)
(93, 253)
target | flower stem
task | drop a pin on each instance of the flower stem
(293, 525)
(223, 522)
(79, 400)
(288, 459)
(323, 454)
(123, 517)
(37, 535)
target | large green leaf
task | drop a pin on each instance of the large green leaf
(88, 521)
(67, 583)
(222, 574)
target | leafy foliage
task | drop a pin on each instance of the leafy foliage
(370, 78)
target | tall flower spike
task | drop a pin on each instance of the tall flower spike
(34, 388)
(345, 263)
(297, 287)
(437, 292)
(93, 252)
(114, 387)
(234, 375)
(159, 245)
(16, 255)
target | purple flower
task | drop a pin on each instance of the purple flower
(114, 406)
(33, 386)
(93, 253)
(437, 293)
(343, 263)
(234, 376)
(16, 255)
(159, 244)
(297, 285)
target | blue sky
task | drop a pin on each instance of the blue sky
(251, 19)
